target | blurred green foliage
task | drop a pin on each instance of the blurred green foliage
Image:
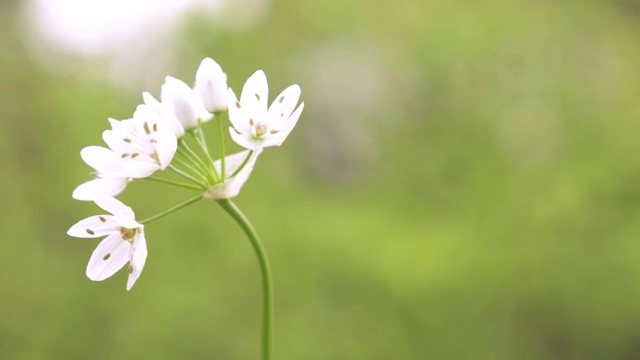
(463, 184)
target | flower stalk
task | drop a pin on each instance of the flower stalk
(267, 286)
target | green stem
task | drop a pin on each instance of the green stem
(267, 287)
(195, 172)
(173, 209)
(186, 175)
(176, 183)
(242, 165)
(198, 134)
(198, 161)
(222, 154)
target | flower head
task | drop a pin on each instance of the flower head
(255, 126)
(211, 85)
(138, 147)
(124, 243)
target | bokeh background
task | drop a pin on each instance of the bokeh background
(464, 182)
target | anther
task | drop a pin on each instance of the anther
(251, 122)
(153, 141)
(135, 155)
(127, 140)
(258, 97)
(155, 127)
(281, 99)
(102, 218)
(124, 155)
(106, 257)
(91, 232)
(130, 268)
(274, 131)
(238, 104)
(146, 128)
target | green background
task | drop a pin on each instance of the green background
(463, 184)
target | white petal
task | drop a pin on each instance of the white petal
(185, 104)
(283, 106)
(123, 214)
(245, 140)
(94, 226)
(137, 258)
(254, 96)
(285, 129)
(140, 169)
(110, 256)
(99, 188)
(211, 85)
(237, 113)
(102, 159)
(167, 144)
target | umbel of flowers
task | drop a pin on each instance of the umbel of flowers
(166, 136)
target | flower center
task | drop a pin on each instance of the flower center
(128, 234)
(261, 129)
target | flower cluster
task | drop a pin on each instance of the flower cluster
(154, 139)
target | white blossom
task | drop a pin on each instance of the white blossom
(211, 86)
(138, 147)
(184, 103)
(124, 242)
(253, 125)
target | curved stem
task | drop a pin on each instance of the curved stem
(176, 183)
(267, 287)
(173, 209)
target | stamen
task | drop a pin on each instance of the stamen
(238, 104)
(124, 155)
(102, 218)
(135, 155)
(146, 128)
(281, 99)
(130, 268)
(258, 97)
(155, 127)
(153, 141)
(91, 232)
(274, 131)
(127, 140)
(106, 257)
(251, 122)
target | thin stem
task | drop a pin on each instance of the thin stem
(242, 165)
(186, 175)
(196, 172)
(198, 161)
(176, 183)
(221, 140)
(198, 134)
(267, 287)
(173, 209)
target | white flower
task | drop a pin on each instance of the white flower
(211, 85)
(232, 185)
(124, 242)
(165, 112)
(138, 147)
(184, 103)
(255, 127)
(101, 186)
